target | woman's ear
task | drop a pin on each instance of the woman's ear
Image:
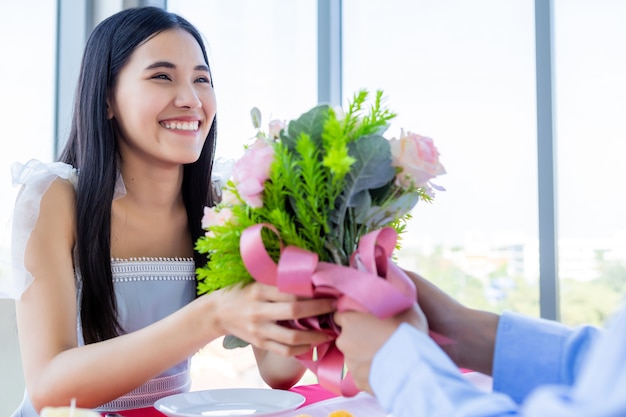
(109, 110)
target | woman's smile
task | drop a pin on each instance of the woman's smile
(181, 125)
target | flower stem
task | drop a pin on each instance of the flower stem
(335, 253)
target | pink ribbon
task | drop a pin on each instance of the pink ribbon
(372, 283)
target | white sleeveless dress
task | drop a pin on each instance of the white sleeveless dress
(146, 289)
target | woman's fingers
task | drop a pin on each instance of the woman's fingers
(284, 340)
(277, 305)
(285, 350)
(293, 310)
(265, 292)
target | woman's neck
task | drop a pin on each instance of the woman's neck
(153, 188)
(150, 220)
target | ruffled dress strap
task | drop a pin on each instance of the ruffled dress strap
(35, 177)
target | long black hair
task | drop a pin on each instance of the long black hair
(92, 148)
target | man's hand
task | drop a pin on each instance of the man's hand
(363, 334)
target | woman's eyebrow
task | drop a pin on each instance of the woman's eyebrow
(165, 64)
(161, 64)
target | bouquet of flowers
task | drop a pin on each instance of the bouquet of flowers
(315, 207)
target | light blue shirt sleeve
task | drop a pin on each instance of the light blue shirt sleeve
(530, 352)
(411, 376)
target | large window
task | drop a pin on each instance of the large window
(462, 73)
(590, 96)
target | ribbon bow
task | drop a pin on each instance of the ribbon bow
(372, 283)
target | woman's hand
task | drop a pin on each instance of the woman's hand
(251, 313)
(363, 334)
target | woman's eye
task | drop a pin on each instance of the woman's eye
(202, 80)
(161, 77)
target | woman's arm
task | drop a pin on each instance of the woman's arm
(278, 371)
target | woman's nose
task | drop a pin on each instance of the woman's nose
(187, 97)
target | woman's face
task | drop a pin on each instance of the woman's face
(163, 101)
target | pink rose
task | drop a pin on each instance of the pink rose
(215, 217)
(275, 127)
(417, 158)
(252, 170)
(229, 198)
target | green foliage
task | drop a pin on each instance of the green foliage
(375, 122)
(336, 156)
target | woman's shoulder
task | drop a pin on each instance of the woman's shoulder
(59, 200)
(45, 188)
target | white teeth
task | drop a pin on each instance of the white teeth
(181, 125)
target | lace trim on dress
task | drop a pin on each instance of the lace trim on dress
(146, 394)
(152, 259)
(153, 269)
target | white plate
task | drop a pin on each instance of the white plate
(229, 402)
